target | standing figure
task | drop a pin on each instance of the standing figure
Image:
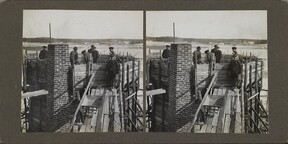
(166, 52)
(234, 68)
(94, 52)
(74, 56)
(197, 55)
(86, 56)
(112, 67)
(209, 56)
(43, 53)
(218, 53)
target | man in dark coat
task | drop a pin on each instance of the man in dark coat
(197, 55)
(43, 53)
(86, 56)
(209, 56)
(74, 56)
(166, 52)
(234, 68)
(94, 52)
(112, 68)
(218, 53)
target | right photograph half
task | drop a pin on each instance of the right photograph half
(207, 71)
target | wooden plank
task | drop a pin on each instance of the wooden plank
(213, 130)
(92, 129)
(220, 120)
(213, 100)
(87, 121)
(94, 118)
(106, 120)
(75, 128)
(82, 129)
(34, 94)
(227, 124)
(238, 125)
(215, 118)
(81, 101)
(197, 128)
(201, 104)
(155, 92)
(88, 128)
(227, 107)
(203, 128)
(215, 92)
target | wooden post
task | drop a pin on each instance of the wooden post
(242, 101)
(128, 94)
(256, 105)
(123, 96)
(162, 100)
(121, 108)
(133, 90)
(195, 77)
(250, 94)
(138, 74)
(261, 74)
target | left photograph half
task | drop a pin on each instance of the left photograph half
(82, 71)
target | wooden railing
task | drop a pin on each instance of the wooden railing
(88, 89)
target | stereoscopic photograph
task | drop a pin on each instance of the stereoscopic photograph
(82, 71)
(207, 71)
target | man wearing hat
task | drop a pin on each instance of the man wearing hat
(234, 68)
(94, 52)
(218, 53)
(43, 53)
(86, 56)
(112, 67)
(166, 52)
(209, 56)
(197, 55)
(74, 56)
(112, 53)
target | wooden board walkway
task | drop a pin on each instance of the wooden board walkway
(99, 107)
(223, 112)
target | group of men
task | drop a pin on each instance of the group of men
(197, 54)
(86, 55)
(74, 54)
(197, 57)
(112, 67)
(234, 68)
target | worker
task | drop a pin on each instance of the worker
(112, 53)
(74, 56)
(94, 52)
(112, 67)
(43, 53)
(234, 68)
(166, 52)
(197, 55)
(218, 53)
(209, 56)
(86, 56)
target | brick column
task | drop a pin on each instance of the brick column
(57, 85)
(180, 63)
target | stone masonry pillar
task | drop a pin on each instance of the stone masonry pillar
(57, 85)
(180, 64)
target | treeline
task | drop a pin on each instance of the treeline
(207, 41)
(83, 41)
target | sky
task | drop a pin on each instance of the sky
(208, 24)
(81, 24)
